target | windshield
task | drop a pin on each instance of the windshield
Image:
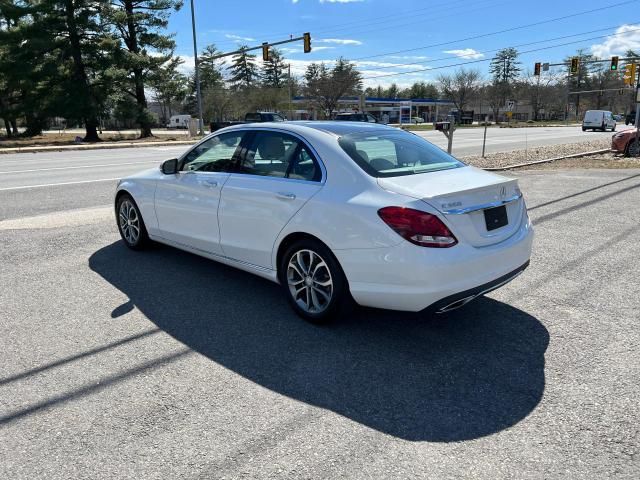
(391, 154)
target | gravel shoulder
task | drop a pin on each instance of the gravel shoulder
(606, 160)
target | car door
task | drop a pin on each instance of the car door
(278, 174)
(187, 202)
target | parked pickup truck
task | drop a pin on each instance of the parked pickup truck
(252, 117)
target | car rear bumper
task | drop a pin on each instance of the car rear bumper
(619, 144)
(411, 278)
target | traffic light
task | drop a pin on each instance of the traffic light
(536, 69)
(614, 63)
(575, 63)
(629, 73)
(265, 52)
(306, 37)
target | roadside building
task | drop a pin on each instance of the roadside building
(386, 110)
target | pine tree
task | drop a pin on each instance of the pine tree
(274, 71)
(505, 69)
(58, 58)
(139, 25)
(210, 70)
(243, 69)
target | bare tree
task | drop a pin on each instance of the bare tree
(461, 87)
(326, 86)
(541, 90)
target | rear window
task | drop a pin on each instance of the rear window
(391, 154)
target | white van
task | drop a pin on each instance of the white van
(179, 121)
(598, 120)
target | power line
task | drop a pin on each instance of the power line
(489, 59)
(398, 65)
(489, 34)
(445, 8)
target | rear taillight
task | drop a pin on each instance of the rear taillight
(419, 228)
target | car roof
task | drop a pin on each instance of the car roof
(336, 128)
(343, 128)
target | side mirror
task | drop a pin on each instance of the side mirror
(169, 167)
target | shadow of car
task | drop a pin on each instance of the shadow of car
(456, 377)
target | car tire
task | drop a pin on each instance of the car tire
(130, 223)
(632, 149)
(314, 282)
(584, 129)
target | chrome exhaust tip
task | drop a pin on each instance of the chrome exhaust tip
(457, 304)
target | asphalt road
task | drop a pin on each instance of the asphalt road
(160, 364)
(468, 141)
(99, 167)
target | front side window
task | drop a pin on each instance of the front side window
(275, 154)
(391, 154)
(214, 155)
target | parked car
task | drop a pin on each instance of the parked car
(624, 142)
(356, 117)
(179, 121)
(251, 117)
(630, 118)
(334, 211)
(618, 117)
(598, 120)
(417, 120)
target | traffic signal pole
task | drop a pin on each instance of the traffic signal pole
(306, 38)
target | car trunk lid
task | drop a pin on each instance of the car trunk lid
(463, 198)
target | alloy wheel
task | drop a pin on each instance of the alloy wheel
(129, 222)
(310, 282)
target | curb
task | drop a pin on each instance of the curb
(98, 146)
(548, 160)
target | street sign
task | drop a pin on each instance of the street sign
(510, 105)
(509, 114)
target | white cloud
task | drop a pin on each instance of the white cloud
(626, 37)
(465, 53)
(239, 38)
(340, 41)
(188, 66)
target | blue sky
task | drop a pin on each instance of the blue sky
(375, 33)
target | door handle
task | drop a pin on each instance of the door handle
(210, 183)
(286, 195)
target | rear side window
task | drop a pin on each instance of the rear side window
(391, 154)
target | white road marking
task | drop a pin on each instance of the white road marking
(68, 218)
(24, 187)
(78, 166)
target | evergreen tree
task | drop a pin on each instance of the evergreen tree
(274, 71)
(170, 86)
(505, 68)
(243, 69)
(139, 25)
(58, 58)
(210, 70)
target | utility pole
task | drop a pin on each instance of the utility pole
(290, 104)
(197, 74)
(638, 112)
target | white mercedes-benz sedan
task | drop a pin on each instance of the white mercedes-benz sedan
(335, 211)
